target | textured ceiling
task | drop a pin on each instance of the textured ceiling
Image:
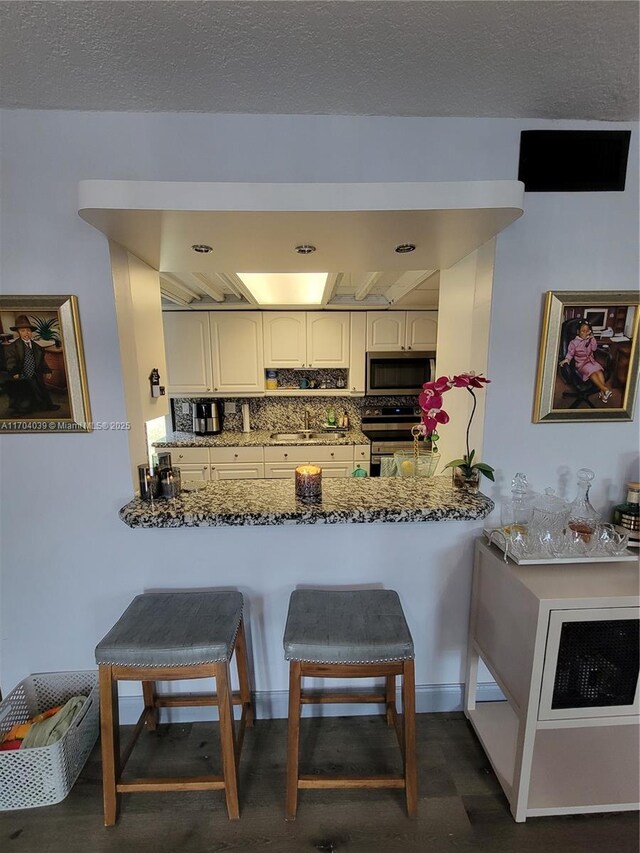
(516, 58)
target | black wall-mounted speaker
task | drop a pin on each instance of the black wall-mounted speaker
(573, 160)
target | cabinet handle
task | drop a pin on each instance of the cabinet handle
(401, 347)
(235, 455)
(208, 389)
(204, 467)
(333, 454)
(180, 455)
(408, 347)
(285, 455)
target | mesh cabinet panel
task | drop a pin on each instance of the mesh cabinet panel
(597, 664)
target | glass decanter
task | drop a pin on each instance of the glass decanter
(583, 519)
(515, 513)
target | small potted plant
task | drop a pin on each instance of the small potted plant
(466, 472)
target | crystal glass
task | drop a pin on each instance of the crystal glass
(549, 513)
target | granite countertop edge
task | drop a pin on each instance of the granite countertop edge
(348, 501)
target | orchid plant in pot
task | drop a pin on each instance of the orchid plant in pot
(466, 472)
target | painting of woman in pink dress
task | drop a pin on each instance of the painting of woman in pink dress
(581, 350)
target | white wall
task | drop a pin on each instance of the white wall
(69, 566)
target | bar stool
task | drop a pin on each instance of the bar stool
(350, 634)
(165, 636)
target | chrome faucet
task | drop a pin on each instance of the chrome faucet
(306, 419)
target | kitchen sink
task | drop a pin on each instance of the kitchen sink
(303, 435)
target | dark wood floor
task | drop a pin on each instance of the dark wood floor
(461, 805)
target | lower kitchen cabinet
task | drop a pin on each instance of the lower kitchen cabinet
(561, 642)
(245, 471)
(255, 463)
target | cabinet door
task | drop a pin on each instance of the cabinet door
(591, 664)
(280, 470)
(194, 472)
(242, 471)
(422, 330)
(327, 339)
(236, 344)
(386, 331)
(285, 338)
(357, 352)
(188, 351)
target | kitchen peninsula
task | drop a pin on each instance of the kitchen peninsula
(344, 501)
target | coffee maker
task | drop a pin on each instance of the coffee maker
(207, 418)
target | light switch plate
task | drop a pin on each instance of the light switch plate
(230, 408)
(185, 409)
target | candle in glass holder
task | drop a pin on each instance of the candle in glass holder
(148, 483)
(309, 483)
(170, 482)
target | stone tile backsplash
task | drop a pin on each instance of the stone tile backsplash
(282, 413)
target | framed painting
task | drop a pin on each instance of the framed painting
(588, 360)
(43, 383)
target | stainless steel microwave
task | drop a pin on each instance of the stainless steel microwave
(395, 373)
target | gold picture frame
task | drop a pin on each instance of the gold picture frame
(43, 380)
(588, 359)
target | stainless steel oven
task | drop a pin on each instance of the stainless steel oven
(399, 372)
(388, 428)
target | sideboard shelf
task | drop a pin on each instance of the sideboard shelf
(551, 758)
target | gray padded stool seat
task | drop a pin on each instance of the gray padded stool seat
(174, 629)
(350, 634)
(165, 636)
(350, 626)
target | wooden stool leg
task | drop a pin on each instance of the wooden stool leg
(227, 739)
(409, 734)
(109, 743)
(293, 739)
(243, 675)
(391, 697)
(149, 695)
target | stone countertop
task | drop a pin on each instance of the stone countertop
(255, 438)
(344, 501)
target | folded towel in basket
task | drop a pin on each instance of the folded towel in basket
(49, 731)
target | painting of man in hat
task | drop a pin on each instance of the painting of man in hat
(43, 379)
(25, 372)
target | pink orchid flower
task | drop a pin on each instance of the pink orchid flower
(432, 417)
(442, 384)
(429, 400)
(469, 380)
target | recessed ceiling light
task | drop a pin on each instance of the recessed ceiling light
(405, 248)
(305, 249)
(202, 248)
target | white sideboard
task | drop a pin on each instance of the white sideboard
(561, 643)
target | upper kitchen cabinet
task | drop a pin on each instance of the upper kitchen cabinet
(393, 331)
(187, 344)
(237, 351)
(285, 338)
(327, 339)
(306, 339)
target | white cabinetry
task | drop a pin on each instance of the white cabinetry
(188, 352)
(327, 339)
(335, 461)
(392, 331)
(193, 462)
(285, 338)
(237, 351)
(236, 463)
(357, 352)
(561, 642)
(306, 339)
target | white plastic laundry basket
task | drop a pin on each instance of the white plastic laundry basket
(44, 775)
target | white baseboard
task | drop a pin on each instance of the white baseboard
(273, 705)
